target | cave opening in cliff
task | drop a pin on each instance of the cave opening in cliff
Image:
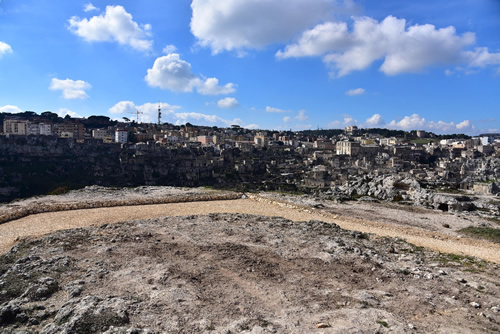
(443, 207)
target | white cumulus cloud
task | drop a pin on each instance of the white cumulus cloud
(115, 25)
(123, 107)
(412, 122)
(10, 109)
(242, 24)
(228, 103)
(465, 125)
(318, 41)
(210, 86)
(403, 49)
(287, 119)
(172, 73)
(71, 89)
(355, 92)
(4, 48)
(375, 121)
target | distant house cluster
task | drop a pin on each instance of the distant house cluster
(74, 128)
(16, 126)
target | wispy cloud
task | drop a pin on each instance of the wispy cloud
(90, 7)
(355, 92)
(170, 48)
(275, 110)
(301, 116)
(347, 121)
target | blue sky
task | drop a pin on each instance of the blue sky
(269, 64)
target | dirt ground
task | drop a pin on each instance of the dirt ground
(238, 273)
(421, 227)
(247, 266)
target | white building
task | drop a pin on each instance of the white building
(121, 136)
(486, 140)
(45, 129)
(34, 129)
(39, 129)
(389, 141)
(172, 139)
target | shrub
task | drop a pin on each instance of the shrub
(488, 233)
(59, 191)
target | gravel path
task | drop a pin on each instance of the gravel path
(41, 224)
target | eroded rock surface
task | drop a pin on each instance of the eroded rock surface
(235, 273)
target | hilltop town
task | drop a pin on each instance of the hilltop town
(260, 260)
(45, 153)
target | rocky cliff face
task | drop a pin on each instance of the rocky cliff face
(38, 165)
(407, 189)
(31, 165)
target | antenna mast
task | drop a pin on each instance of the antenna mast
(159, 113)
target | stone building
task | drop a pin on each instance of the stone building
(351, 130)
(15, 126)
(261, 140)
(70, 129)
(99, 133)
(205, 140)
(347, 148)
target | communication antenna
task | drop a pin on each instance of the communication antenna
(159, 113)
